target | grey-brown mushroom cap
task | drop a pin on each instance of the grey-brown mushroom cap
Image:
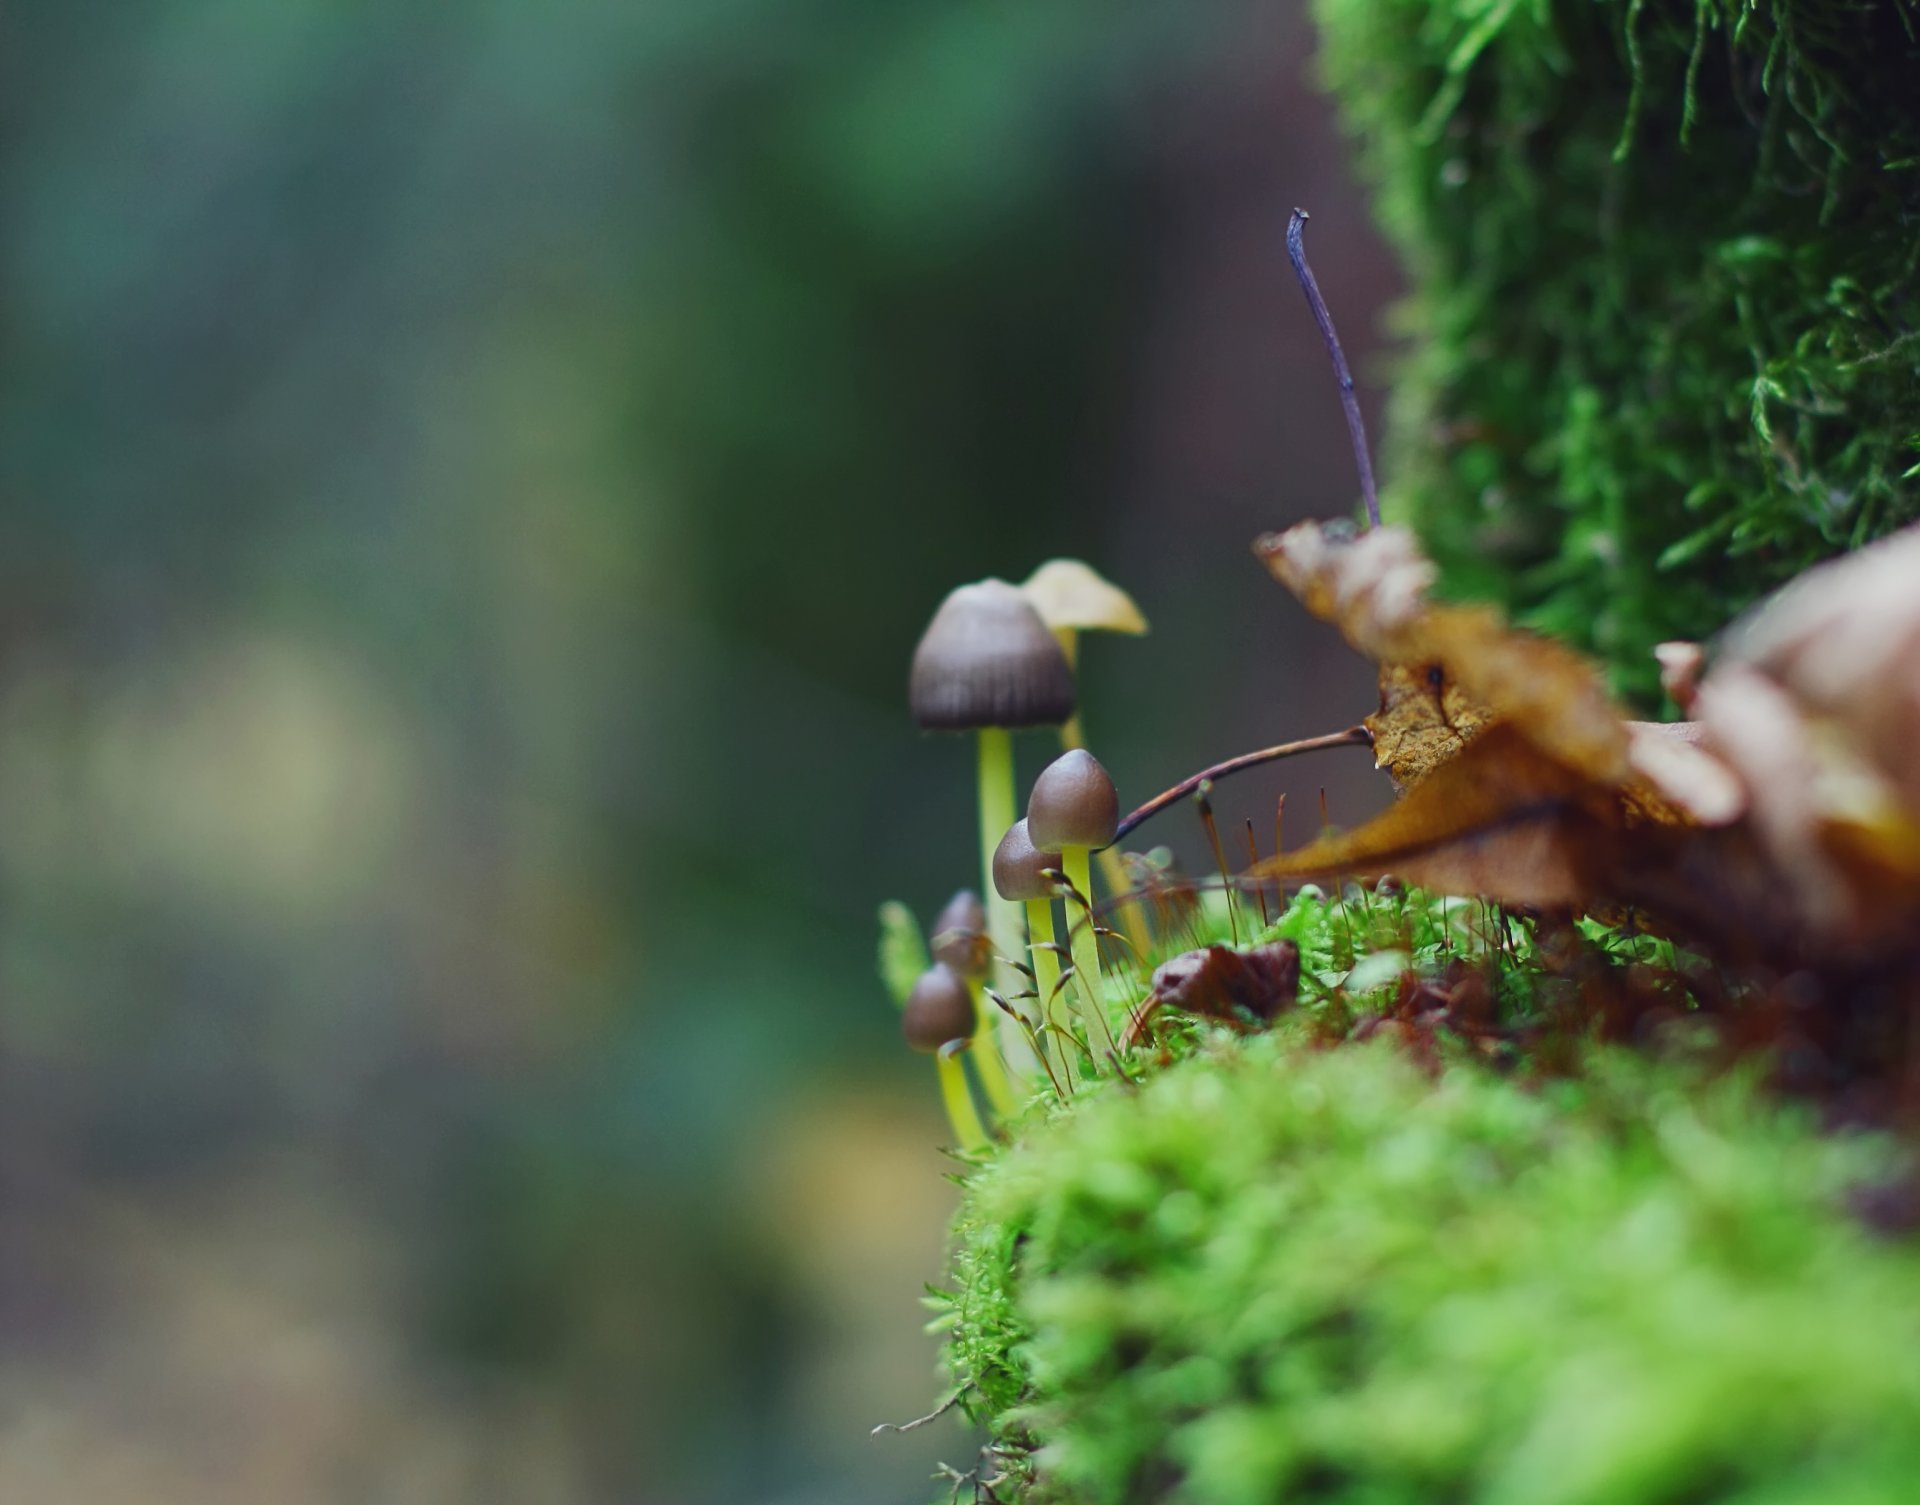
(986, 659)
(938, 1009)
(1074, 803)
(960, 935)
(1019, 867)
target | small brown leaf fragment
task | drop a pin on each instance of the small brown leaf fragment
(1218, 982)
(1423, 720)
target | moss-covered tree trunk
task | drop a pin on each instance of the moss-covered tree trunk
(1664, 329)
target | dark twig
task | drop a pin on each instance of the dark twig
(920, 1421)
(1298, 254)
(1353, 736)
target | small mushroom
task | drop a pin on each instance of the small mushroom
(938, 1019)
(987, 664)
(1023, 874)
(960, 936)
(1072, 597)
(960, 940)
(938, 1009)
(1075, 808)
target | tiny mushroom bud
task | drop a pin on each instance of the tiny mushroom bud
(1074, 803)
(960, 941)
(960, 935)
(1020, 868)
(938, 1019)
(939, 1009)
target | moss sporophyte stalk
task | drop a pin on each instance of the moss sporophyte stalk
(1606, 1193)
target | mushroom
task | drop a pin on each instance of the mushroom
(938, 1019)
(1023, 874)
(988, 664)
(1073, 597)
(960, 936)
(960, 941)
(1075, 808)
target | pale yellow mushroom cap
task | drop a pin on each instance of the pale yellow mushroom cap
(1072, 596)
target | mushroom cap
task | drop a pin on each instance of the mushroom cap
(939, 1009)
(1072, 595)
(1074, 803)
(1019, 866)
(987, 659)
(960, 935)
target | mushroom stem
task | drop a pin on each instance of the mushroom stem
(961, 1113)
(996, 814)
(987, 1059)
(1046, 970)
(1084, 944)
(1072, 735)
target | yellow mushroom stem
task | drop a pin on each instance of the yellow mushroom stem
(961, 1113)
(986, 1056)
(1112, 873)
(995, 748)
(1046, 979)
(1083, 943)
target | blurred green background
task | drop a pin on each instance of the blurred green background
(473, 476)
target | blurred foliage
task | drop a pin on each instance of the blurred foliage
(1662, 259)
(473, 478)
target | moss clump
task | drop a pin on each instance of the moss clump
(1666, 347)
(1279, 1273)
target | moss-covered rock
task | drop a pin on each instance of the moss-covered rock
(1665, 344)
(1280, 1273)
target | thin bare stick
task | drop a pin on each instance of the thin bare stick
(920, 1421)
(1297, 253)
(1203, 801)
(1353, 736)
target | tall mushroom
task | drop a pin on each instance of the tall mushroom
(987, 664)
(1073, 809)
(1073, 597)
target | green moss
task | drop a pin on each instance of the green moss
(1665, 350)
(1281, 1273)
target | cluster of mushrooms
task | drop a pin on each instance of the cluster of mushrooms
(999, 658)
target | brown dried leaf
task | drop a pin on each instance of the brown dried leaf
(1786, 818)
(1446, 671)
(1500, 818)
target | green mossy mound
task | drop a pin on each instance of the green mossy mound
(1664, 322)
(1274, 1272)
